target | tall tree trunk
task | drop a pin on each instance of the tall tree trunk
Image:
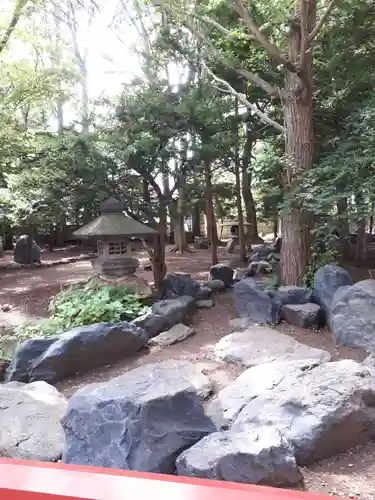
(361, 250)
(299, 149)
(196, 219)
(251, 214)
(342, 212)
(241, 233)
(211, 222)
(180, 239)
(157, 253)
(371, 219)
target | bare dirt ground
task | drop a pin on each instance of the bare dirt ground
(27, 291)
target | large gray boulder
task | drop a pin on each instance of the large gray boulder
(261, 344)
(293, 295)
(30, 421)
(24, 253)
(252, 301)
(177, 285)
(253, 382)
(223, 273)
(352, 316)
(321, 412)
(75, 351)
(151, 323)
(304, 315)
(327, 280)
(140, 421)
(174, 310)
(255, 456)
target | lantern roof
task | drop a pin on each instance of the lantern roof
(112, 223)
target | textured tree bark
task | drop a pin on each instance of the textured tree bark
(157, 253)
(196, 219)
(211, 222)
(251, 215)
(180, 240)
(299, 146)
(361, 250)
(241, 233)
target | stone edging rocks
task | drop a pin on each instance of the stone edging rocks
(14, 266)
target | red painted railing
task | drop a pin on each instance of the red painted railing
(26, 480)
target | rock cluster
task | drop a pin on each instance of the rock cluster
(291, 406)
(85, 348)
(299, 306)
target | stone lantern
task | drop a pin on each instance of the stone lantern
(113, 232)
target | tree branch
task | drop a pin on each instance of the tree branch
(13, 23)
(319, 25)
(257, 80)
(304, 31)
(273, 51)
(219, 27)
(242, 98)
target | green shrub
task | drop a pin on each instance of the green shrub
(322, 252)
(84, 305)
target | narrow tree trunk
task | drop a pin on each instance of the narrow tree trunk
(251, 215)
(361, 250)
(342, 212)
(196, 219)
(241, 233)
(299, 150)
(157, 254)
(211, 222)
(179, 224)
(371, 220)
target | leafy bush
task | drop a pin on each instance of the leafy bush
(94, 303)
(322, 252)
(83, 305)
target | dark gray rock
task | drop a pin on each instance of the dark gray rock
(178, 285)
(304, 315)
(174, 310)
(30, 421)
(253, 382)
(76, 351)
(215, 285)
(25, 356)
(352, 316)
(205, 293)
(23, 254)
(140, 421)
(261, 344)
(255, 456)
(252, 301)
(328, 279)
(321, 412)
(293, 295)
(151, 323)
(223, 273)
